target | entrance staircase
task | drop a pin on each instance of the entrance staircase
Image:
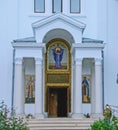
(60, 124)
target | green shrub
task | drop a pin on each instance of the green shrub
(10, 123)
(105, 124)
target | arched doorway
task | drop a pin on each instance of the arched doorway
(58, 78)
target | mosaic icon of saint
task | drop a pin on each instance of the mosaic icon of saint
(58, 54)
(30, 86)
(85, 90)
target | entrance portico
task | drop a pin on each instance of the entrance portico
(49, 85)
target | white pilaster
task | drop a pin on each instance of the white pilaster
(98, 88)
(77, 92)
(38, 88)
(93, 89)
(18, 88)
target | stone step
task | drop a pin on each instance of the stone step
(60, 124)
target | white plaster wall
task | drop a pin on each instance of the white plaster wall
(111, 54)
(8, 32)
(24, 9)
(101, 20)
(91, 18)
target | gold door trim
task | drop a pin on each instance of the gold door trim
(62, 76)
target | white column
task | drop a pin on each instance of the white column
(98, 88)
(18, 88)
(93, 89)
(77, 92)
(38, 89)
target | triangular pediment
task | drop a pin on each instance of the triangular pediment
(59, 17)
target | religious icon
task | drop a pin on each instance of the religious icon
(30, 90)
(85, 90)
(58, 55)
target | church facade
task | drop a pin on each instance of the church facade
(59, 60)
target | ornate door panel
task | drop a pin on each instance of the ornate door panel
(52, 105)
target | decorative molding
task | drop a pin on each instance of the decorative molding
(88, 45)
(25, 44)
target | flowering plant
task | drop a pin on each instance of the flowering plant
(11, 122)
(105, 125)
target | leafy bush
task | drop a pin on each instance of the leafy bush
(109, 122)
(105, 124)
(11, 122)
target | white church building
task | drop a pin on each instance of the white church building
(59, 57)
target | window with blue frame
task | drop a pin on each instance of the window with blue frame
(75, 6)
(56, 6)
(39, 6)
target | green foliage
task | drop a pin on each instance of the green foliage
(10, 123)
(105, 124)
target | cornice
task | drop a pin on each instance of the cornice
(28, 45)
(88, 45)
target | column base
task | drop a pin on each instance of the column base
(45, 114)
(21, 115)
(39, 116)
(77, 115)
(70, 115)
(97, 115)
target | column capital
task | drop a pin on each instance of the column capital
(78, 61)
(74, 46)
(42, 46)
(98, 61)
(18, 60)
(38, 61)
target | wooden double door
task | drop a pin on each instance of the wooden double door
(57, 102)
